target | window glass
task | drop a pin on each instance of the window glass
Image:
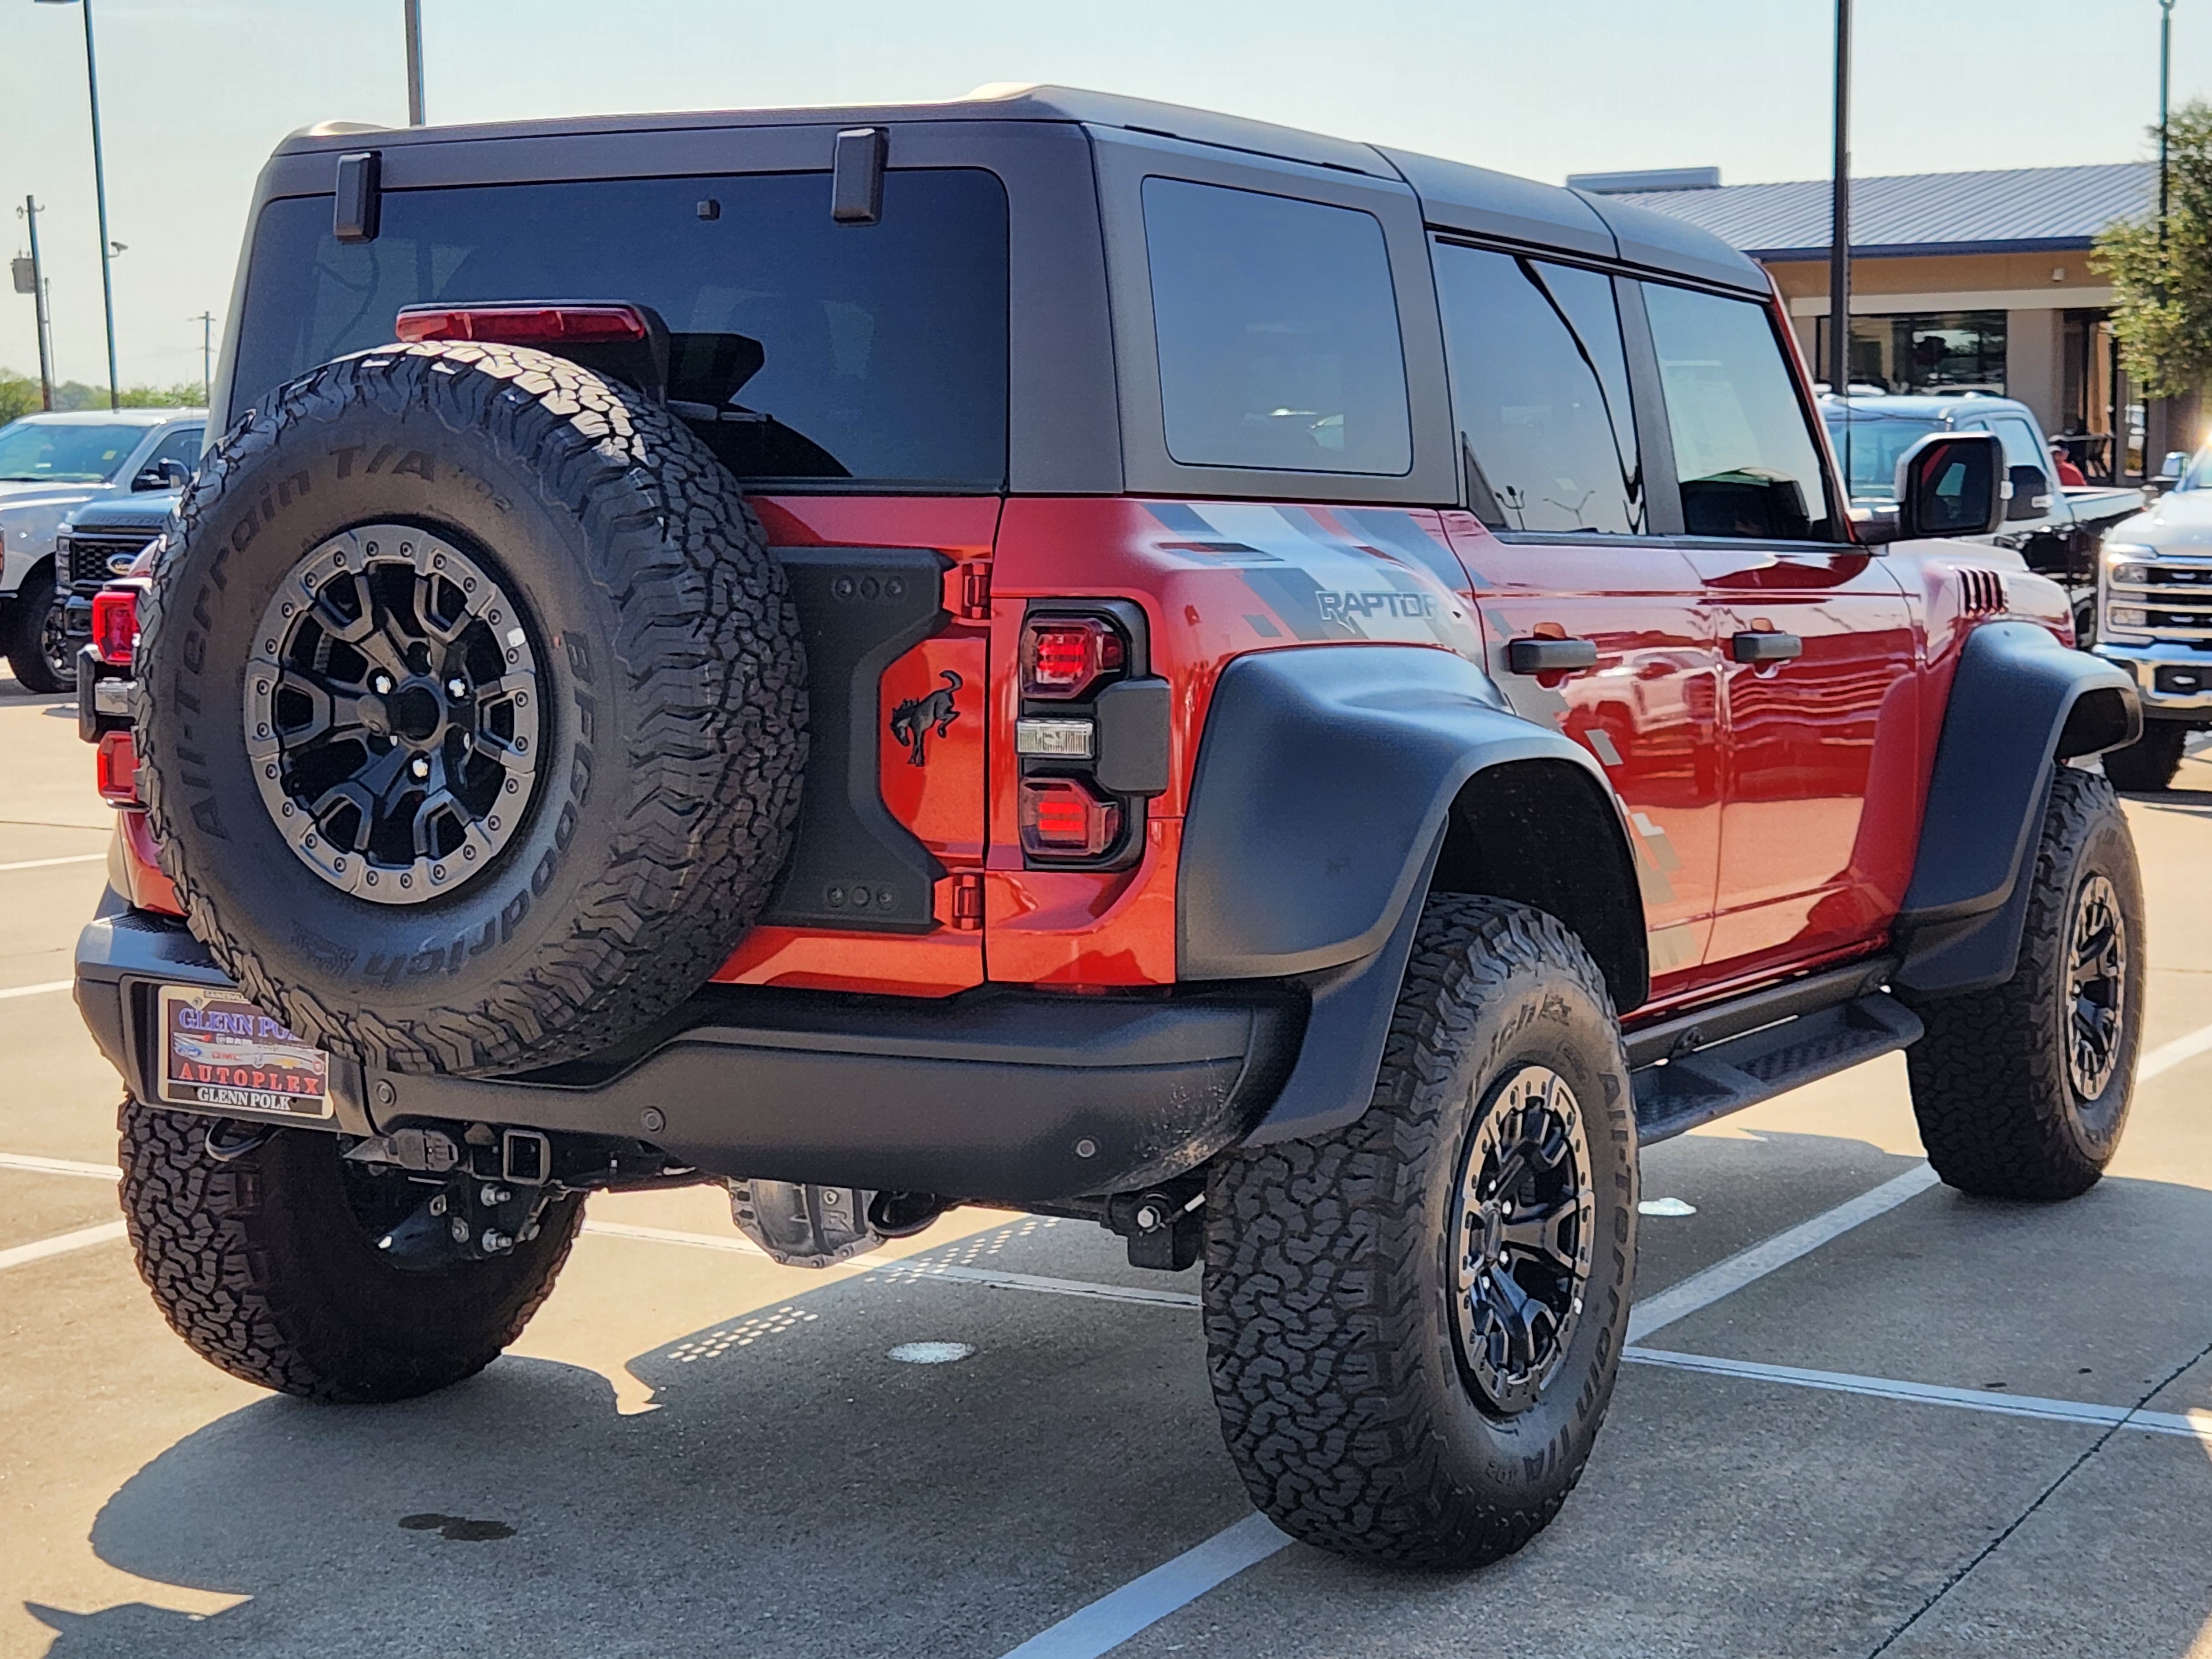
(183, 445)
(1277, 332)
(872, 352)
(1540, 384)
(64, 451)
(1870, 445)
(2018, 440)
(1929, 351)
(1742, 450)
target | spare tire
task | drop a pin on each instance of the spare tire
(474, 708)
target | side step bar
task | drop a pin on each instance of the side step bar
(1701, 1081)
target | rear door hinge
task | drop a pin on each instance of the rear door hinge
(975, 591)
(968, 901)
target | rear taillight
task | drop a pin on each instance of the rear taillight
(116, 768)
(115, 626)
(1063, 818)
(524, 325)
(1063, 657)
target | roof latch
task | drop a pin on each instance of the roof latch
(354, 213)
(856, 178)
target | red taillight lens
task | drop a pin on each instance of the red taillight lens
(535, 325)
(115, 626)
(115, 768)
(1063, 657)
(1061, 818)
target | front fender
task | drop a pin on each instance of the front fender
(2020, 703)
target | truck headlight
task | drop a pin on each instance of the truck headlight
(2131, 575)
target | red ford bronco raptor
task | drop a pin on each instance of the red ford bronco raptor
(1295, 699)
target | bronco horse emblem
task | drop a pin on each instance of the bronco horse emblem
(911, 720)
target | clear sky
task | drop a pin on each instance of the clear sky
(196, 92)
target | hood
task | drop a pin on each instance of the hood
(2180, 521)
(48, 494)
(147, 510)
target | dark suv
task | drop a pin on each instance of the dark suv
(1293, 700)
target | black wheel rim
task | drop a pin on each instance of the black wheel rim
(2096, 988)
(393, 714)
(1521, 1238)
(53, 641)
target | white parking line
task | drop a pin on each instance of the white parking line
(2195, 1425)
(50, 986)
(2168, 1055)
(61, 1244)
(48, 864)
(61, 1166)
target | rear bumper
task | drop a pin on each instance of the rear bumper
(1020, 1097)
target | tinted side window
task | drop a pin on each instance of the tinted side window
(1277, 332)
(1540, 384)
(1742, 450)
(182, 444)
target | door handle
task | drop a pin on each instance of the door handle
(1545, 656)
(1756, 645)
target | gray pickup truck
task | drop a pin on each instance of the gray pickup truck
(2055, 528)
(2155, 619)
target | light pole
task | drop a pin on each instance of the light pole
(206, 320)
(2165, 81)
(38, 291)
(1839, 223)
(100, 190)
(414, 15)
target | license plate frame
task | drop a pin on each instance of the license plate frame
(245, 1061)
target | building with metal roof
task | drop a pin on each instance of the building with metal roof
(1959, 280)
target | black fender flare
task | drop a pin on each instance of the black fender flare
(2021, 704)
(1325, 781)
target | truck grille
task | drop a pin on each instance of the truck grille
(2175, 594)
(94, 554)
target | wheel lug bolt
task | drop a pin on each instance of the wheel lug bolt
(419, 766)
(383, 684)
(457, 687)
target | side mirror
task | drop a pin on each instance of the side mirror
(1949, 483)
(2031, 493)
(2170, 470)
(163, 475)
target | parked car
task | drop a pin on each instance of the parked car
(97, 543)
(50, 463)
(2155, 588)
(1293, 700)
(2055, 528)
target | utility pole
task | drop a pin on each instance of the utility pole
(38, 290)
(2165, 82)
(206, 320)
(100, 189)
(1839, 233)
(414, 16)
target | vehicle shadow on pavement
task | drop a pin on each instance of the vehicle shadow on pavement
(795, 1490)
(794, 1487)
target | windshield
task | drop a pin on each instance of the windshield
(59, 451)
(873, 353)
(1868, 447)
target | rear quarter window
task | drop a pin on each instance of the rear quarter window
(1276, 327)
(873, 353)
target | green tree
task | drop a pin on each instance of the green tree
(2162, 288)
(19, 395)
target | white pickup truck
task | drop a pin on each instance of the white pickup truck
(50, 464)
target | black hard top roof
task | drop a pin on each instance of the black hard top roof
(1453, 195)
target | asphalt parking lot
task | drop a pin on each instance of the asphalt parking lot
(1863, 1415)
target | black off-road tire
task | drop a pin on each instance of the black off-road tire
(259, 1265)
(1999, 1113)
(34, 652)
(2148, 764)
(1342, 1385)
(670, 680)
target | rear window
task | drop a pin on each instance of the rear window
(1277, 332)
(875, 353)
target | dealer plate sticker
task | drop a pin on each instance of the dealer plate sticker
(218, 1049)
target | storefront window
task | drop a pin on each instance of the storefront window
(1933, 351)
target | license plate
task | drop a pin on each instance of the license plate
(220, 1051)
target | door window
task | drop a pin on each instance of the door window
(1540, 385)
(1276, 327)
(1743, 450)
(183, 445)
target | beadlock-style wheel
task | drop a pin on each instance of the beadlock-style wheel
(392, 713)
(2096, 988)
(1524, 1228)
